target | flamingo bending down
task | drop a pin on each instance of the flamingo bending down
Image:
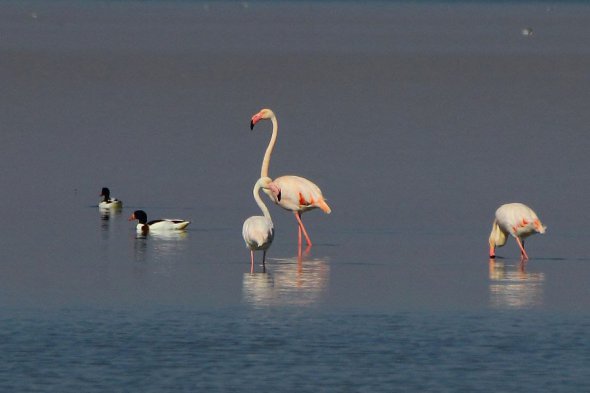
(258, 231)
(517, 220)
(294, 193)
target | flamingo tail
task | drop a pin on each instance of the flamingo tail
(324, 206)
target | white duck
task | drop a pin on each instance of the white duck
(258, 231)
(165, 224)
(107, 202)
(517, 220)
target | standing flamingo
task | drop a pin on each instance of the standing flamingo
(295, 193)
(258, 231)
(517, 220)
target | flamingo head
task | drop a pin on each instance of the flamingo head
(267, 184)
(264, 114)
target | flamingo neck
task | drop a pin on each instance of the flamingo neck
(259, 201)
(270, 147)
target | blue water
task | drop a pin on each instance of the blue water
(416, 120)
(293, 350)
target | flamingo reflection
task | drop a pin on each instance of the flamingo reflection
(512, 287)
(290, 281)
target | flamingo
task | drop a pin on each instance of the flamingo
(517, 220)
(258, 231)
(295, 193)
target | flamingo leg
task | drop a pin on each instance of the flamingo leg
(251, 261)
(523, 254)
(302, 228)
(263, 261)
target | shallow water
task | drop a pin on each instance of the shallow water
(416, 121)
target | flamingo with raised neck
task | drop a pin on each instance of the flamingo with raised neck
(294, 193)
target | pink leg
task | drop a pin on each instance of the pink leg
(251, 261)
(302, 228)
(523, 255)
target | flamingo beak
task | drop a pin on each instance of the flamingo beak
(255, 119)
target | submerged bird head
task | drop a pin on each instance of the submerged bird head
(497, 238)
(264, 114)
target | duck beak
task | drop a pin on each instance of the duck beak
(132, 217)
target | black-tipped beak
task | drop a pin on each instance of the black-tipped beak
(251, 125)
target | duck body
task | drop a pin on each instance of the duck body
(107, 202)
(160, 225)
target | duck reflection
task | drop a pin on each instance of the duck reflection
(107, 212)
(160, 246)
(291, 281)
(106, 216)
(512, 287)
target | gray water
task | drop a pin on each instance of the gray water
(416, 120)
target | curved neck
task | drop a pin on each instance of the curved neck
(259, 202)
(270, 147)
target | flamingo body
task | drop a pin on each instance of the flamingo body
(163, 225)
(298, 194)
(292, 193)
(258, 231)
(517, 220)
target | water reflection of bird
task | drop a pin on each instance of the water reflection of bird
(287, 282)
(296, 194)
(514, 288)
(107, 202)
(258, 231)
(517, 220)
(161, 225)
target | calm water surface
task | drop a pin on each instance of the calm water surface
(417, 121)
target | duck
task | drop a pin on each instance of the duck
(107, 202)
(161, 225)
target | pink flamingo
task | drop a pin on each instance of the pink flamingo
(517, 220)
(258, 231)
(293, 193)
